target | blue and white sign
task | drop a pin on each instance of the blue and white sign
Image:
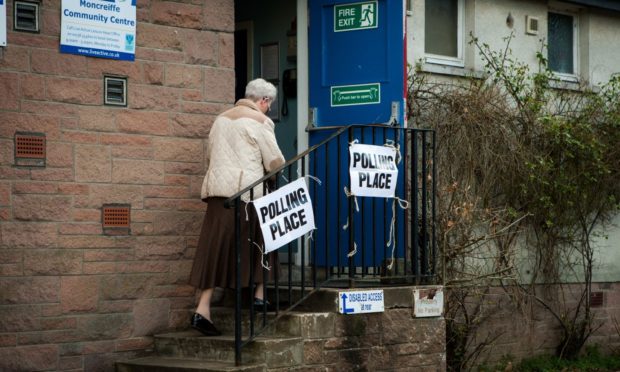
(99, 28)
(360, 302)
(2, 23)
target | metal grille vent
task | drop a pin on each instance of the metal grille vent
(597, 299)
(26, 16)
(115, 219)
(115, 91)
(30, 149)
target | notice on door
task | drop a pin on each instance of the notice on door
(373, 170)
(285, 214)
(105, 29)
(351, 95)
(356, 16)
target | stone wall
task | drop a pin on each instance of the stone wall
(72, 298)
(528, 329)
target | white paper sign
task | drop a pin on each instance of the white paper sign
(285, 214)
(359, 302)
(99, 28)
(373, 170)
(2, 23)
(427, 302)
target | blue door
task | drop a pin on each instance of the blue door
(357, 76)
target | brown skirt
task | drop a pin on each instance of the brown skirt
(215, 258)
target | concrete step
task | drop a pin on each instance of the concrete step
(164, 364)
(269, 350)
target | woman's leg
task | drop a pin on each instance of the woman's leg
(204, 304)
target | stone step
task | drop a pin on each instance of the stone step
(272, 351)
(164, 364)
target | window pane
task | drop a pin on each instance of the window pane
(441, 27)
(561, 43)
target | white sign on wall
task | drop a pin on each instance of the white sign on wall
(285, 214)
(99, 28)
(427, 302)
(2, 23)
(373, 170)
(359, 302)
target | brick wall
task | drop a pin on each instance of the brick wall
(529, 329)
(72, 298)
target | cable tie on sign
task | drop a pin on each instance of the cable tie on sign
(346, 225)
(247, 216)
(349, 194)
(316, 179)
(390, 143)
(392, 240)
(264, 264)
(354, 142)
(354, 251)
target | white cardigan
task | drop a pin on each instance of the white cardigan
(241, 149)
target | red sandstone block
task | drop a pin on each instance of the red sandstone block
(48, 324)
(80, 229)
(52, 262)
(59, 154)
(172, 180)
(80, 91)
(184, 76)
(55, 109)
(173, 223)
(27, 39)
(5, 214)
(6, 152)
(30, 290)
(98, 67)
(86, 215)
(14, 269)
(227, 51)
(159, 55)
(200, 47)
(203, 108)
(93, 163)
(137, 171)
(143, 122)
(160, 204)
(217, 85)
(192, 95)
(50, 22)
(49, 337)
(184, 168)
(154, 97)
(69, 123)
(196, 185)
(101, 194)
(176, 14)
(142, 267)
(15, 58)
(79, 137)
(34, 188)
(52, 174)
(150, 316)
(8, 340)
(29, 358)
(134, 343)
(220, 15)
(70, 363)
(98, 347)
(105, 326)
(159, 248)
(191, 125)
(9, 91)
(97, 118)
(33, 86)
(158, 37)
(109, 255)
(124, 139)
(119, 306)
(76, 242)
(14, 121)
(130, 152)
(5, 193)
(92, 268)
(51, 62)
(177, 149)
(31, 207)
(73, 189)
(11, 256)
(166, 192)
(51, 309)
(16, 235)
(153, 73)
(173, 291)
(143, 215)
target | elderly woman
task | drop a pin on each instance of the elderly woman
(241, 149)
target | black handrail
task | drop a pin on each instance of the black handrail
(412, 230)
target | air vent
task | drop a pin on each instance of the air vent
(115, 91)
(26, 16)
(597, 299)
(29, 149)
(115, 219)
(531, 25)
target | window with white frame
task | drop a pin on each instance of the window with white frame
(562, 46)
(443, 36)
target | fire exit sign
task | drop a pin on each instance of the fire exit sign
(355, 16)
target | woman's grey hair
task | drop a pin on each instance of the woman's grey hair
(259, 88)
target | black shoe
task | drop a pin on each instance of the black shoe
(204, 325)
(259, 305)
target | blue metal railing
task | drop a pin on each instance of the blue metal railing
(358, 254)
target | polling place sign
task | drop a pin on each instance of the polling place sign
(373, 170)
(285, 214)
(2, 23)
(99, 28)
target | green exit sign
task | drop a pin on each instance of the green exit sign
(356, 16)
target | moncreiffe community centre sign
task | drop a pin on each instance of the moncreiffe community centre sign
(99, 28)
(285, 214)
